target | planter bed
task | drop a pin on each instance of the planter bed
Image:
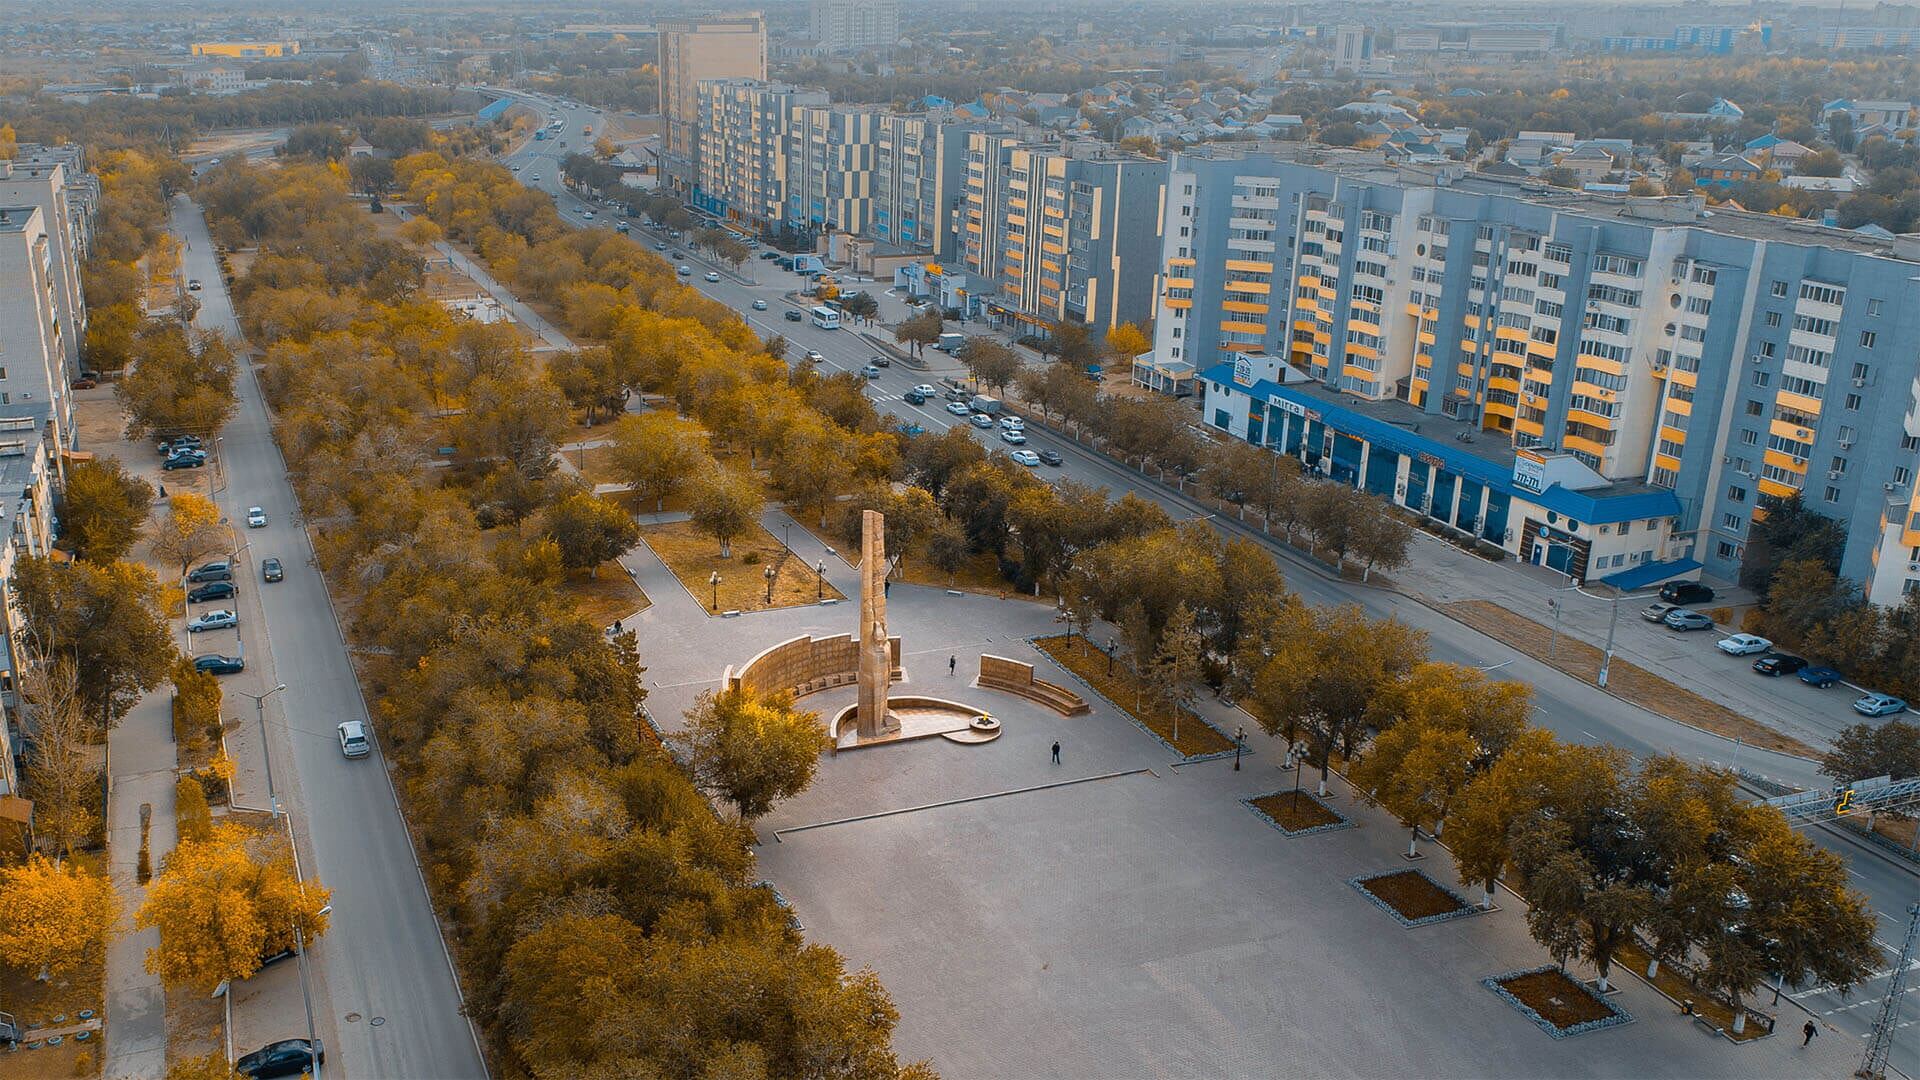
(1296, 813)
(1557, 1003)
(1412, 897)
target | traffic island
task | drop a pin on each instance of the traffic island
(1296, 813)
(1557, 1003)
(1411, 897)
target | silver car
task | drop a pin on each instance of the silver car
(213, 620)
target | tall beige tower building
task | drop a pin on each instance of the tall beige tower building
(692, 50)
(843, 26)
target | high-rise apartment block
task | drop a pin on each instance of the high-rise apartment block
(54, 179)
(844, 26)
(693, 50)
(1061, 231)
(1605, 385)
(742, 148)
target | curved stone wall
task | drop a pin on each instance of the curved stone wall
(806, 665)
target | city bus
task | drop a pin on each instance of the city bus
(826, 318)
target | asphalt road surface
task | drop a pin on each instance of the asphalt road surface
(386, 1000)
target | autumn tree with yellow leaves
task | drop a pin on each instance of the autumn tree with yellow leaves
(224, 902)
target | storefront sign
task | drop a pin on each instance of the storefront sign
(1285, 405)
(1243, 371)
(1530, 473)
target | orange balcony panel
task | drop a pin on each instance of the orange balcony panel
(1495, 408)
(1304, 324)
(1595, 419)
(1800, 403)
(1531, 427)
(1181, 262)
(1253, 265)
(1498, 383)
(1787, 429)
(1575, 442)
(1233, 326)
(1181, 304)
(1244, 307)
(1784, 461)
(1777, 489)
(1179, 283)
(1667, 461)
(1261, 287)
(1510, 333)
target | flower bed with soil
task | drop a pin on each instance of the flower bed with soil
(1296, 813)
(1412, 897)
(1557, 1003)
(1677, 988)
(1116, 682)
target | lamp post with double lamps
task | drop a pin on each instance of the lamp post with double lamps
(820, 580)
(266, 754)
(715, 582)
(768, 573)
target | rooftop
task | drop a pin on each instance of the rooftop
(14, 219)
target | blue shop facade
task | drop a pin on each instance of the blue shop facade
(1539, 505)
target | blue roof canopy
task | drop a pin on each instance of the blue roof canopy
(1649, 573)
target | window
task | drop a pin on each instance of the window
(1698, 305)
(1522, 269)
(1833, 494)
(1613, 324)
(1617, 264)
(1671, 448)
(1749, 438)
(1853, 402)
(1754, 408)
(1814, 357)
(1674, 420)
(1873, 309)
(1545, 335)
(1779, 287)
(1822, 294)
(1811, 325)
(1550, 281)
(1766, 349)
(1548, 308)
(1560, 253)
(1186, 230)
(1726, 550)
(1693, 333)
(1862, 371)
(1732, 522)
(1804, 387)
(1627, 297)
(1773, 318)
(1737, 494)
(1866, 339)
(1761, 378)
(1902, 477)
(1839, 464)
(1910, 442)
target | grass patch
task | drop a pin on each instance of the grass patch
(694, 558)
(609, 596)
(1118, 683)
(1556, 1001)
(1678, 988)
(981, 575)
(1297, 812)
(1625, 680)
(1412, 896)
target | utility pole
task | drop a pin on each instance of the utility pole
(1873, 1064)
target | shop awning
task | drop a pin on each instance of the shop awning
(1650, 574)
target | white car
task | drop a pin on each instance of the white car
(925, 390)
(353, 739)
(588, 213)
(959, 408)
(1017, 438)
(981, 420)
(1743, 644)
(1013, 423)
(256, 518)
(1025, 457)
(212, 620)
(814, 357)
(759, 305)
(712, 276)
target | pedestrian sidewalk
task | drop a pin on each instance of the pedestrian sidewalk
(535, 324)
(143, 761)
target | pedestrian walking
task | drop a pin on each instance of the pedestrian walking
(1807, 1033)
(953, 665)
(616, 627)
(1056, 753)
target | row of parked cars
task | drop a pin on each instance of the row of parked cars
(1674, 615)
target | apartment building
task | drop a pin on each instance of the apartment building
(850, 26)
(54, 179)
(34, 345)
(1605, 385)
(919, 174)
(26, 528)
(1062, 229)
(742, 166)
(830, 167)
(694, 50)
(1481, 39)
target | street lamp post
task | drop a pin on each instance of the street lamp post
(1606, 657)
(715, 582)
(266, 753)
(300, 950)
(1239, 744)
(820, 580)
(787, 535)
(768, 574)
(1553, 647)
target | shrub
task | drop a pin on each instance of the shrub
(190, 809)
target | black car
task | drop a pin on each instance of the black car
(1052, 457)
(288, 1057)
(213, 571)
(215, 664)
(915, 397)
(1685, 592)
(184, 461)
(215, 590)
(792, 315)
(769, 255)
(1778, 664)
(270, 570)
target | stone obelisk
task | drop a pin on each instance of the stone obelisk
(876, 660)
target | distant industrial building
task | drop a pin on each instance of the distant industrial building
(1480, 39)
(247, 50)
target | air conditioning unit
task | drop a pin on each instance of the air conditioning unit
(1846, 444)
(1835, 474)
(1913, 568)
(1889, 487)
(1758, 359)
(1859, 382)
(1726, 459)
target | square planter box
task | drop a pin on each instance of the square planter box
(1556, 1002)
(1311, 815)
(1411, 897)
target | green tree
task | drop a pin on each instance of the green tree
(104, 509)
(1572, 908)
(63, 768)
(221, 904)
(1324, 672)
(754, 750)
(196, 705)
(589, 379)
(1863, 751)
(1788, 532)
(178, 387)
(105, 620)
(516, 418)
(947, 548)
(724, 504)
(1175, 672)
(589, 530)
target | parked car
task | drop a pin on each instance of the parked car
(956, 393)
(685, 271)
(1879, 705)
(1819, 677)
(769, 255)
(215, 664)
(84, 383)
(178, 443)
(759, 305)
(256, 518)
(1743, 644)
(222, 619)
(1052, 457)
(815, 358)
(1777, 664)
(288, 1057)
(925, 389)
(192, 459)
(353, 739)
(1685, 592)
(959, 408)
(1686, 619)
(660, 245)
(1655, 612)
(193, 285)
(217, 590)
(1025, 457)
(981, 420)
(1014, 436)
(793, 316)
(213, 571)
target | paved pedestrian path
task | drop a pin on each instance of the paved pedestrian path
(142, 758)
